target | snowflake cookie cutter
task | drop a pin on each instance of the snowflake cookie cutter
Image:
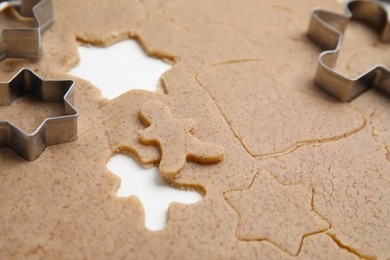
(326, 29)
(25, 42)
(53, 130)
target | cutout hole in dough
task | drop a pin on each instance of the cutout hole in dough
(150, 188)
(119, 68)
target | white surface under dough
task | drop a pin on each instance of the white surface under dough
(119, 68)
(115, 70)
(148, 185)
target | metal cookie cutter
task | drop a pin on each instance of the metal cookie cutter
(54, 130)
(25, 42)
(326, 29)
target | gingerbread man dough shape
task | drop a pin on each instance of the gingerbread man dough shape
(174, 138)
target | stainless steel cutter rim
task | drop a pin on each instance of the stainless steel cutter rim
(336, 50)
(49, 118)
(42, 24)
(42, 14)
(70, 116)
(353, 84)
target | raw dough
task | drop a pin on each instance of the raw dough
(174, 139)
(243, 70)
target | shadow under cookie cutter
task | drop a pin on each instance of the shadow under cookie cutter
(326, 28)
(25, 42)
(54, 130)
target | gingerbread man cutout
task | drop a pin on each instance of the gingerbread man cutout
(174, 138)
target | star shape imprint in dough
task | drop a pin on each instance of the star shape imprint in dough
(173, 137)
(280, 214)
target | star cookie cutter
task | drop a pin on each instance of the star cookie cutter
(25, 42)
(53, 130)
(326, 29)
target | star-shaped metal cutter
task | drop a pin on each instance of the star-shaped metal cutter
(326, 29)
(25, 42)
(54, 130)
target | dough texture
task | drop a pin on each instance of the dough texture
(302, 176)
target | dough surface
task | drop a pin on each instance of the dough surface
(302, 175)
